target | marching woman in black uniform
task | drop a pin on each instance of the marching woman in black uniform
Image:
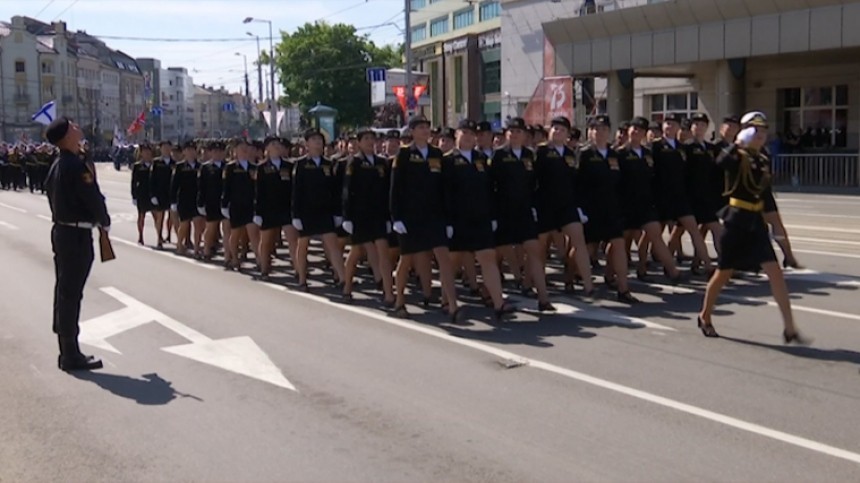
(511, 173)
(745, 242)
(316, 206)
(597, 181)
(159, 181)
(637, 201)
(470, 206)
(706, 198)
(209, 187)
(418, 214)
(673, 204)
(183, 199)
(366, 184)
(237, 202)
(273, 210)
(557, 201)
(141, 195)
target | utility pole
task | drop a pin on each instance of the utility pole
(407, 48)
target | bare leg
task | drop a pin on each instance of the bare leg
(575, 232)
(349, 269)
(292, 237)
(141, 220)
(536, 269)
(780, 235)
(334, 253)
(491, 277)
(780, 294)
(381, 247)
(689, 224)
(661, 252)
(712, 292)
(158, 218)
(401, 277)
(199, 225)
(267, 249)
(301, 261)
(446, 276)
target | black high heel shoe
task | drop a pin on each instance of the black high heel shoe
(708, 330)
(795, 338)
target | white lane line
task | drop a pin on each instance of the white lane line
(8, 225)
(823, 228)
(13, 208)
(826, 254)
(823, 241)
(44, 217)
(790, 213)
(167, 254)
(595, 381)
(813, 201)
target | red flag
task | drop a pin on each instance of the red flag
(138, 123)
(400, 93)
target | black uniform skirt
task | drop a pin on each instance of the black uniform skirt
(473, 236)
(516, 229)
(638, 216)
(275, 221)
(603, 226)
(317, 225)
(745, 243)
(705, 209)
(672, 208)
(213, 212)
(423, 236)
(187, 211)
(553, 218)
(367, 231)
(241, 216)
(144, 206)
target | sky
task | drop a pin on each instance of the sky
(211, 63)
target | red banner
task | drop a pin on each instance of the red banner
(400, 92)
(138, 123)
(553, 97)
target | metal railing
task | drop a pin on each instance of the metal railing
(817, 170)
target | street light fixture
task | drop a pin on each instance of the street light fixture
(247, 88)
(259, 68)
(272, 106)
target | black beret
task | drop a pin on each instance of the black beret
(436, 130)
(57, 130)
(219, 145)
(516, 123)
(416, 120)
(447, 132)
(640, 123)
(166, 141)
(258, 144)
(272, 139)
(731, 120)
(239, 140)
(484, 126)
(686, 123)
(560, 121)
(700, 117)
(672, 117)
(313, 132)
(468, 124)
(190, 145)
(654, 126)
(600, 120)
(392, 134)
(144, 146)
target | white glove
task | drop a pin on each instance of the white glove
(106, 229)
(174, 207)
(399, 228)
(582, 217)
(297, 224)
(495, 225)
(134, 202)
(347, 226)
(154, 200)
(534, 213)
(387, 227)
(449, 231)
(201, 210)
(338, 220)
(225, 212)
(258, 220)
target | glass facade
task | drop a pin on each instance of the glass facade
(816, 115)
(419, 33)
(439, 26)
(489, 10)
(417, 4)
(458, 84)
(683, 103)
(464, 18)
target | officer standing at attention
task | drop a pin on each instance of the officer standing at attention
(77, 206)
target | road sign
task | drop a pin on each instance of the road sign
(236, 354)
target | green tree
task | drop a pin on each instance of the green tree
(327, 63)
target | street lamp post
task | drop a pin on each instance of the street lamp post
(247, 90)
(273, 103)
(407, 48)
(259, 68)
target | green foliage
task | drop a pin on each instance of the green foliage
(327, 63)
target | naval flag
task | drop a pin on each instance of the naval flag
(46, 114)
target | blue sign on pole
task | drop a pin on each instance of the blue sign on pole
(411, 103)
(228, 107)
(376, 74)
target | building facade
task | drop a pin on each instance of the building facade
(20, 80)
(218, 113)
(177, 102)
(795, 61)
(457, 44)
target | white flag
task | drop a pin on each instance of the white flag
(46, 114)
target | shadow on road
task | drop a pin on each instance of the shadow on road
(150, 390)
(829, 355)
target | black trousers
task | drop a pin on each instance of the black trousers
(73, 259)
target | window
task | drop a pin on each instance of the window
(20, 66)
(47, 67)
(416, 4)
(464, 18)
(419, 33)
(491, 77)
(681, 103)
(489, 10)
(817, 115)
(439, 26)
(458, 84)
(435, 88)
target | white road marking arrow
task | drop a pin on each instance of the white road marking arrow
(592, 312)
(237, 354)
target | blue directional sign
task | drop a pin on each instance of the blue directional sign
(228, 107)
(411, 103)
(157, 111)
(376, 74)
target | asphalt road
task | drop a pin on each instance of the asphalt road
(212, 376)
